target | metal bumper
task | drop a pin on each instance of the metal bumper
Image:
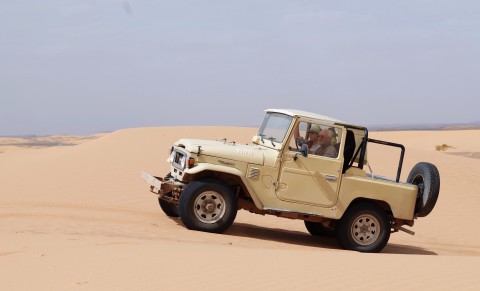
(159, 185)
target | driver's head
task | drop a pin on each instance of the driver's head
(313, 132)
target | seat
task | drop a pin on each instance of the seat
(349, 150)
(337, 147)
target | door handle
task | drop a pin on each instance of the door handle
(330, 178)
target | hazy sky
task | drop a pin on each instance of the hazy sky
(81, 67)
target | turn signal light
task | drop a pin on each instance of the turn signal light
(191, 163)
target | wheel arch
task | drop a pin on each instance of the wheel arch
(232, 176)
(381, 203)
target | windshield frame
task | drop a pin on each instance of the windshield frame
(273, 131)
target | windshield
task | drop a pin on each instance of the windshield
(274, 128)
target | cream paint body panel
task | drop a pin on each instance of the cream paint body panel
(239, 170)
(312, 180)
(232, 151)
(401, 197)
(263, 187)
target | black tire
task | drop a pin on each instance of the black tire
(365, 227)
(318, 229)
(427, 178)
(169, 208)
(208, 205)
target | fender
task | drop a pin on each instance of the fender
(229, 170)
(400, 197)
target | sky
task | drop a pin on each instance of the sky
(81, 67)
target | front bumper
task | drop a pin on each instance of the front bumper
(161, 186)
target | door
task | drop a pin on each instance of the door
(314, 179)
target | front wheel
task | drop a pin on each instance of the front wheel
(365, 227)
(208, 205)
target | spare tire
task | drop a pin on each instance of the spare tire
(427, 178)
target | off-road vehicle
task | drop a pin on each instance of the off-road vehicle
(281, 174)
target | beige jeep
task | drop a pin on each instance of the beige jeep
(300, 165)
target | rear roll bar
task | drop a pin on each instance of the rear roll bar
(363, 149)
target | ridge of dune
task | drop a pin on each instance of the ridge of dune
(81, 217)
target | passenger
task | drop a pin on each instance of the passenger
(326, 149)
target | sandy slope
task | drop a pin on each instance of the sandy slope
(81, 218)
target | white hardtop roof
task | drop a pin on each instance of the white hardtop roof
(299, 113)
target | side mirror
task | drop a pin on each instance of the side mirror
(304, 150)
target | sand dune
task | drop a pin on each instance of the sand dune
(38, 142)
(80, 217)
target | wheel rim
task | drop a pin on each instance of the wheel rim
(418, 180)
(365, 230)
(209, 207)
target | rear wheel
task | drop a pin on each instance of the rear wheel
(365, 227)
(208, 205)
(169, 208)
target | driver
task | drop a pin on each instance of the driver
(313, 139)
(312, 135)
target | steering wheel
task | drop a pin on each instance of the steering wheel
(299, 141)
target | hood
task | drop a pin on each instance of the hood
(239, 152)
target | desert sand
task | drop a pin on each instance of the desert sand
(81, 218)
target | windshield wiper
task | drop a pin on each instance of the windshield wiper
(261, 137)
(271, 139)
